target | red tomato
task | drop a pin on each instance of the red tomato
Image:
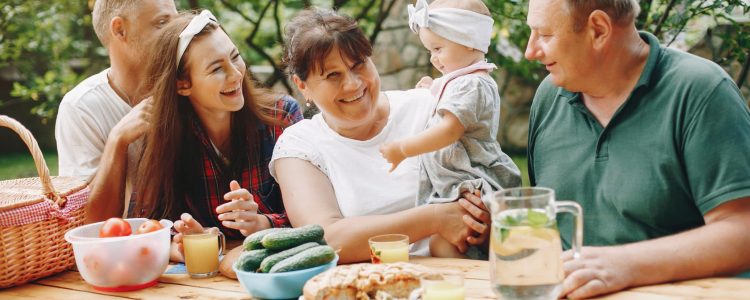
(148, 226)
(146, 257)
(124, 274)
(115, 227)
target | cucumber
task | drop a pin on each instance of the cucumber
(309, 258)
(249, 261)
(252, 241)
(286, 239)
(273, 259)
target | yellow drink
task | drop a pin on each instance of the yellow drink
(389, 248)
(390, 253)
(201, 254)
(443, 291)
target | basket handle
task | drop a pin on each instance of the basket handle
(41, 164)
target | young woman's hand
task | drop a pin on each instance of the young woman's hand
(241, 212)
(186, 225)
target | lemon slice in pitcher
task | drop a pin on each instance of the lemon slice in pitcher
(522, 241)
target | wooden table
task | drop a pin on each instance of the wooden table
(70, 285)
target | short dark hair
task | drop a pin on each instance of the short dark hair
(313, 33)
(621, 11)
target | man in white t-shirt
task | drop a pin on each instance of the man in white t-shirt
(101, 118)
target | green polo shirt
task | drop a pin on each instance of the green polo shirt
(678, 147)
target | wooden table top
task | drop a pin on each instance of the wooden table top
(70, 285)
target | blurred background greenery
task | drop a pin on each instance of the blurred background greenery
(48, 46)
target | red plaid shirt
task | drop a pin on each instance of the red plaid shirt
(208, 191)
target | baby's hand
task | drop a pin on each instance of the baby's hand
(424, 83)
(393, 154)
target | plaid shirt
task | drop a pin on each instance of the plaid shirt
(208, 191)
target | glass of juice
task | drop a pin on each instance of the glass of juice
(444, 286)
(525, 244)
(202, 252)
(389, 248)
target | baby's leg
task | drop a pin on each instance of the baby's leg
(440, 247)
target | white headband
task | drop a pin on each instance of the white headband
(457, 25)
(194, 27)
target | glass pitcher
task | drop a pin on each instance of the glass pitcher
(525, 245)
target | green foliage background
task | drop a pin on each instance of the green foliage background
(47, 47)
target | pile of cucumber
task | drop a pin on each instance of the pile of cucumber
(278, 250)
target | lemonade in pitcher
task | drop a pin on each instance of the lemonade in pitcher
(525, 255)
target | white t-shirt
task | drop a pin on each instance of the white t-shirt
(86, 116)
(357, 171)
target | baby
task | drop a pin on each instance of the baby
(458, 151)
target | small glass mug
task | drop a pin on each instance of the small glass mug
(525, 244)
(202, 252)
(389, 248)
(448, 285)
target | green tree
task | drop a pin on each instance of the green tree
(46, 48)
(260, 25)
(730, 44)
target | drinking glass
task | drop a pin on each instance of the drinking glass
(389, 248)
(202, 252)
(525, 245)
(445, 286)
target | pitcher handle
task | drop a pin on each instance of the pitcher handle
(575, 209)
(222, 243)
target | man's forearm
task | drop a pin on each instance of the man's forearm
(715, 249)
(108, 186)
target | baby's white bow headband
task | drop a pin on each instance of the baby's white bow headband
(457, 25)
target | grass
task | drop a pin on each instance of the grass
(20, 165)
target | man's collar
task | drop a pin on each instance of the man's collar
(653, 57)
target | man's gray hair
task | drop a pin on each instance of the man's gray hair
(622, 12)
(104, 11)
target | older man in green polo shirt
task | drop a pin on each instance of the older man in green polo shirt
(652, 142)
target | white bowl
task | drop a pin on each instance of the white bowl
(125, 263)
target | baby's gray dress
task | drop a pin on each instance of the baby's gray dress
(475, 161)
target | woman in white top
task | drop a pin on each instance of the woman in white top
(330, 169)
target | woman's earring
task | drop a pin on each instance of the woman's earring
(307, 103)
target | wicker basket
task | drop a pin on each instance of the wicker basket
(34, 217)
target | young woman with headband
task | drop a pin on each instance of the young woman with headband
(213, 133)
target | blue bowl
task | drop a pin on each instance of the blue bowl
(282, 285)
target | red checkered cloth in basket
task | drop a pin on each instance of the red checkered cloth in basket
(44, 210)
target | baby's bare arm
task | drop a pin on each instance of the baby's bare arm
(444, 133)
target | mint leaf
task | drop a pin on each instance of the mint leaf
(537, 219)
(511, 221)
(504, 233)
